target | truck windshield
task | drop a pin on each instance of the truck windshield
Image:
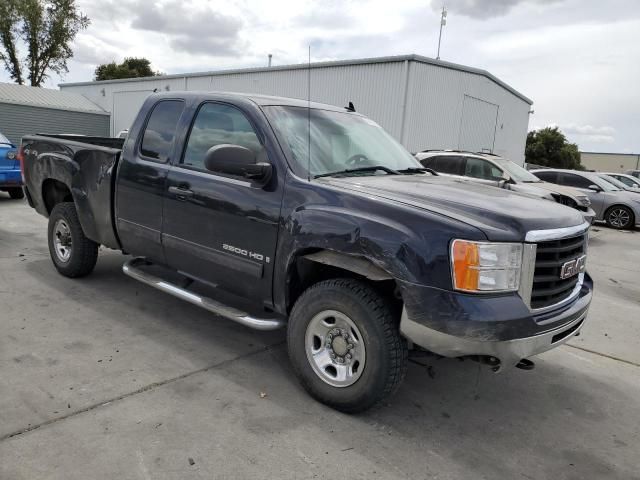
(515, 171)
(339, 142)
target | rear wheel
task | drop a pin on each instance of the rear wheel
(16, 193)
(619, 217)
(345, 345)
(73, 254)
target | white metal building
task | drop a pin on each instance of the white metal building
(422, 102)
(27, 110)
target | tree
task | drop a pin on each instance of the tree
(45, 30)
(549, 147)
(131, 68)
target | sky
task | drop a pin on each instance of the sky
(578, 60)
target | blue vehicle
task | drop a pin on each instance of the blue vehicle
(10, 175)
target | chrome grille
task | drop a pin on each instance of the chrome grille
(548, 288)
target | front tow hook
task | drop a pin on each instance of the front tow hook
(526, 364)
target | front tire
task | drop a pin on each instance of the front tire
(620, 217)
(16, 193)
(345, 346)
(73, 254)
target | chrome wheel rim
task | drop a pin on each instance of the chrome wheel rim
(335, 348)
(62, 243)
(619, 217)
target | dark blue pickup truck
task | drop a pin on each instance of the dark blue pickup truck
(273, 212)
(10, 175)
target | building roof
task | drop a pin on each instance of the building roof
(611, 153)
(47, 98)
(361, 61)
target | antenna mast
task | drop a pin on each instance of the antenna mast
(309, 116)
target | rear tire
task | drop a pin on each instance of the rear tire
(72, 253)
(16, 193)
(620, 217)
(347, 318)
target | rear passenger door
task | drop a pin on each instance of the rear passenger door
(221, 229)
(142, 174)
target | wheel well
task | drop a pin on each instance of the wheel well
(312, 267)
(620, 205)
(54, 192)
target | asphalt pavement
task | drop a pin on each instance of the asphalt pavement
(107, 378)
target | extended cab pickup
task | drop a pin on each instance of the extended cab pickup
(273, 212)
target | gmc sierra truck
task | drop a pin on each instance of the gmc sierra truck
(275, 212)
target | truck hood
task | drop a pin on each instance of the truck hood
(501, 214)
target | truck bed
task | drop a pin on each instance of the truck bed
(74, 168)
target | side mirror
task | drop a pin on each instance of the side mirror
(237, 161)
(595, 188)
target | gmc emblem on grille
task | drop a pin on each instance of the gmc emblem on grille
(573, 267)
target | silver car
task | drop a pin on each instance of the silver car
(496, 171)
(620, 209)
(629, 180)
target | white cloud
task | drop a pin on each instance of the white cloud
(576, 59)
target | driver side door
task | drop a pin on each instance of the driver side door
(482, 171)
(217, 228)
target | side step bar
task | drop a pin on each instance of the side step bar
(133, 269)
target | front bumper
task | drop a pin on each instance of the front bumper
(589, 215)
(485, 337)
(10, 178)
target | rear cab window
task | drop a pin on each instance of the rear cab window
(160, 131)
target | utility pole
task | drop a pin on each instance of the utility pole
(443, 22)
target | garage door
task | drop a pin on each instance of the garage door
(125, 108)
(478, 125)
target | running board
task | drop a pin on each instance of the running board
(133, 270)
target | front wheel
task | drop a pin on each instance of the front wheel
(73, 254)
(619, 217)
(345, 346)
(16, 193)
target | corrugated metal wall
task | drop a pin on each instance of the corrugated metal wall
(420, 104)
(19, 120)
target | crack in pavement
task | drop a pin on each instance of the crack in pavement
(146, 388)
(610, 357)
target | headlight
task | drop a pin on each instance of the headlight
(11, 155)
(584, 201)
(486, 267)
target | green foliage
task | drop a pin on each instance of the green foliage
(131, 68)
(45, 29)
(549, 147)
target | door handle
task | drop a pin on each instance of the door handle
(181, 193)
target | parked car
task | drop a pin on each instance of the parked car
(618, 208)
(633, 173)
(499, 172)
(358, 250)
(630, 182)
(10, 176)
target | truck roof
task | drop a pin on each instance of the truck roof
(262, 100)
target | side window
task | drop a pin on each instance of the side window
(625, 180)
(160, 131)
(218, 124)
(571, 180)
(479, 168)
(551, 177)
(448, 164)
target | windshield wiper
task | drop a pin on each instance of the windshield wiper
(372, 168)
(418, 170)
